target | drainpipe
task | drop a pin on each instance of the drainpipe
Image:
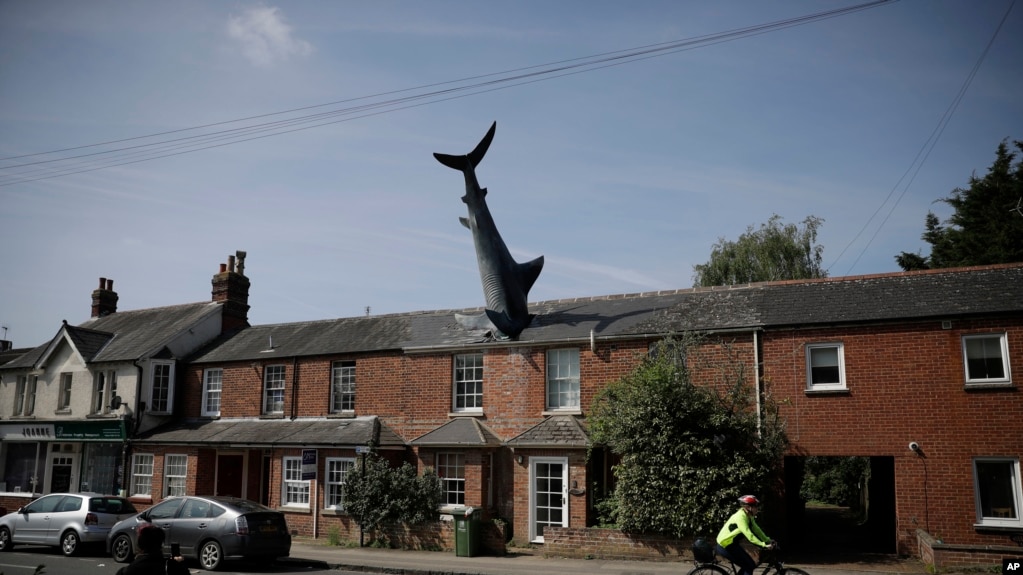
(756, 379)
(294, 388)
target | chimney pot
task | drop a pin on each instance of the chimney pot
(223, 268)
(102, 283)
(230, 264)
(110, 285)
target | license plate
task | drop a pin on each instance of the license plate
(268, 529)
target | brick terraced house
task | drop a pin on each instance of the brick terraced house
(912, 370)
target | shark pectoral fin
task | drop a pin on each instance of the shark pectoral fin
(465, 222)
(528, 272)
(503, 323)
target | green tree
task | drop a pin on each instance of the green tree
(686, 451)
(986, 226)
(775, 251)
(835, 480)
(377, 493)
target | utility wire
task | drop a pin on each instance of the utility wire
(173, 142)
(925, 151)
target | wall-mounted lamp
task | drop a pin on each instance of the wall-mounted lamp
(519, 459)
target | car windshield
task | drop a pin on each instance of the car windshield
(112, 505)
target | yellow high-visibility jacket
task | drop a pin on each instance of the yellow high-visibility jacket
(742, 523)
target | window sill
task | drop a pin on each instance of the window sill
(272, 416)
(549, 412)
(334, 512)
(988, 386)
(66, 411)
(341, 415)
(102, 416)
(210, 416)
(829, 391)
(294, 509)
(478, 413)
(999, 528)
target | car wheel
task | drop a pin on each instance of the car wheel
(122, 549)
(6, 543)
(69, 543)
(210, 556)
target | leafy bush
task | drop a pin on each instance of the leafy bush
(687, 452)
(376, 493)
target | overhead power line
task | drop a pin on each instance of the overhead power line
(92, 157)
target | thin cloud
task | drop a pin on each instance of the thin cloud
(264, 37)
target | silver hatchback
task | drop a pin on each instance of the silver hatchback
(208, 529)
(66, 520)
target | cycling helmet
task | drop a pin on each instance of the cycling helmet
(749, 500)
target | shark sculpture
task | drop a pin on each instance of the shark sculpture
(506, 283)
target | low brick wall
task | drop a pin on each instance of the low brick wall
(440, 536)
(594, 543)
(944, 556)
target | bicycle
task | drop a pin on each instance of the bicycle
(708, 562)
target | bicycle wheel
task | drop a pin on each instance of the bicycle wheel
(792, 571)
(708, 569)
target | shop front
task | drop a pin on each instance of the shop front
(61, 456)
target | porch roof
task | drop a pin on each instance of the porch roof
(459, 432)
(301, 432)
(555, 431)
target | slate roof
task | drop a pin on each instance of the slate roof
(937, 294)
(310, 432)
(554, 431)
(459, 432)
(124, 335)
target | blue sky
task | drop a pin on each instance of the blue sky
(623, 177)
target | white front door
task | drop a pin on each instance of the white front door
(62, 473)
(548, 495)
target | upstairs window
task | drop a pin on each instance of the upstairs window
(468, 382)
(342, 387)
(997, 491)
(273, 390)
(25, 395)
(986, 357)
(161, 398)
(825, 367)
(64, 393)
(563, 379)
(212, 382)
(104, 388)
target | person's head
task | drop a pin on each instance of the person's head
(151, 539)
(750, 503)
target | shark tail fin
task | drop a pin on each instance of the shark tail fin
(473, 158)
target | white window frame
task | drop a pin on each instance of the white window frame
(64, 391)
(142, 474)
(29, 406)
(20, 389)
(335, 472)
(212, 391)
(468, 374)
(270, 394)
(450, 468)
(562, 391)
(167, 405)
(839, 348)
(294, 490)
(1003, 349)
(342, 387)
(175, 474)
(1016, 490)
(104, 388)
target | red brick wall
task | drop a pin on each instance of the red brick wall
(905, 383)
(611, 544)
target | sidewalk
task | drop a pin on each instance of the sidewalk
(372, 560)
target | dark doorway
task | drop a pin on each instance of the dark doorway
(229, 475)
(828, 529)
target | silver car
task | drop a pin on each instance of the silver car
(66, 520)
(209, 529)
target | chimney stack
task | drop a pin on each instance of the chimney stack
(104, 299)
(231, 287)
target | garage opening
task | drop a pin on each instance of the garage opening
(840, 506)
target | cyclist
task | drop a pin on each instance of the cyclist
(743, 523)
